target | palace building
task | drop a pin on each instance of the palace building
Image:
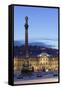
(42, 62)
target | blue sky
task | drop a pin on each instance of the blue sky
(43, 24)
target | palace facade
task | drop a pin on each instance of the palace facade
(42, 62)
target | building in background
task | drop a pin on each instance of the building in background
(42, 62)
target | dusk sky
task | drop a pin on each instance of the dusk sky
(43, 24)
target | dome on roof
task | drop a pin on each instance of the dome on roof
(44, 54)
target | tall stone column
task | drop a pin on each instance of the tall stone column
(26, 66)
(26, 36)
